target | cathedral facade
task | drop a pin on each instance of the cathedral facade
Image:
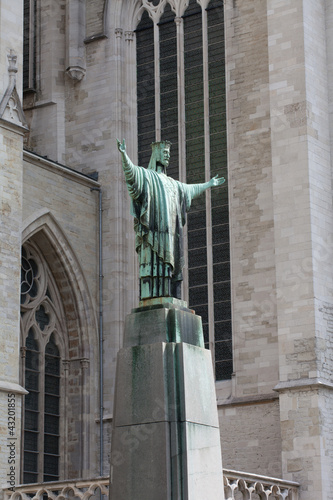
(243, 89)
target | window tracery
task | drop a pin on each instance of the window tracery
(42, 329)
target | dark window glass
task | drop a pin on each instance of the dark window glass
(51, 424)
(41, 420)
(31, 407)
(223, 370)
(29, 44)
(198, 294)
(195, 160)
(51, 410)
(30, 461)
(29, 477)
(194, 148)
(145, 88)
(30, 420)
(169, 86)
(222, 330)
(51, 444)
(30, 441)
(51, 467)
(219, 197)
(198, 276)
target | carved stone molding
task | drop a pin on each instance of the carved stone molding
(84, 363)
(236, 485)
(11, 111)
(118, 32)
(129, 36)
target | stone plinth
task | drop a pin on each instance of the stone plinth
(166, 441)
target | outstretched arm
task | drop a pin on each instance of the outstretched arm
(132, 175)
(126, 162)
(197, 189)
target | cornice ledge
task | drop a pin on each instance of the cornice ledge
(246, 400)
(303, 383)
(47, 164)
(13, 127)
(11, 387)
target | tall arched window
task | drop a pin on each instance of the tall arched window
(181, 98)
(42, 328)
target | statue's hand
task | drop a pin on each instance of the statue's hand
(121, 146)
(217, 181)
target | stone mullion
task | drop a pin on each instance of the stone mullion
(157, 82)
(131, 286)
(64, 404)
(182, 131)
(181, 98)
(41, 411)
(85, 411)
(31, 78)
(116, 206)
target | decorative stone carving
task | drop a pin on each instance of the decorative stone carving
(129, 36)
(236, 485)
(11, 110)
(76, 73)
(242, 485)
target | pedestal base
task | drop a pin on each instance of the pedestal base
(165, 442)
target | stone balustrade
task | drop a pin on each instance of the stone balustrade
(237, 486)
(60, 490)
(241, 485)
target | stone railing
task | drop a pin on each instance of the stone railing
(240, 485)
(237, 485)
(61, 490)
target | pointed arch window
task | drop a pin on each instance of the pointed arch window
(42, 340)
(182, 98)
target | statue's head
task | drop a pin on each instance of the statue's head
(160, 156)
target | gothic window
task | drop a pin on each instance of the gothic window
(42, 343)
(181, 98)
(29, 45)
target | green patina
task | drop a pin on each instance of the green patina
(159, 207)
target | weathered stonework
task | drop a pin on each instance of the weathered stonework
(60, 210)
(165, 440)
(279, 81)
(11, 141)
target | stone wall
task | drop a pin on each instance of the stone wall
(11, 130)
(60, 215)
(251, 438)
(251, 208)
(279, 108)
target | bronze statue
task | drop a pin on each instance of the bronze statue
(159, 206)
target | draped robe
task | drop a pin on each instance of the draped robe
(159, 206)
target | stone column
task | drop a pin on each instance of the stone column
(166, 439)
(12, 126)
(303, 225)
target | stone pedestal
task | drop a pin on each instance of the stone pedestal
(166, 440)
